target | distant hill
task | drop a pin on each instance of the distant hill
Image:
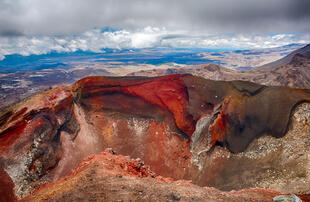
(293, 70)
(305, 51)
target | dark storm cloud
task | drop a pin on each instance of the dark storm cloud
(300, 10)
(61, 17)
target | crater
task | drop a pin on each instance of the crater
(214, 133)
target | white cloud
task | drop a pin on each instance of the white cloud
(149, 37)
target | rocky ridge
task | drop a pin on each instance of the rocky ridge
(111, 177)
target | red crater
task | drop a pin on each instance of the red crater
(173, 123)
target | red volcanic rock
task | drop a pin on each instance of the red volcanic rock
(29, 137)
(218, 128)
(6, 187)
(168, 93)
(10, 135)
(172, 123)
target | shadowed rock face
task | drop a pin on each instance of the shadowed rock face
(171, 122)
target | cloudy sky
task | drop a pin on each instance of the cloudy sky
(40, 26)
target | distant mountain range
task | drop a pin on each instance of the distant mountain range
(242, 59)
(247, 59)
(292, 70)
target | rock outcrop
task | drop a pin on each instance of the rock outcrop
(182, 126)
(30, 143)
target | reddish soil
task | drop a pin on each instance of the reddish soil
(109, 177)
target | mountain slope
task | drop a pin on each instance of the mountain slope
(305, 51)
